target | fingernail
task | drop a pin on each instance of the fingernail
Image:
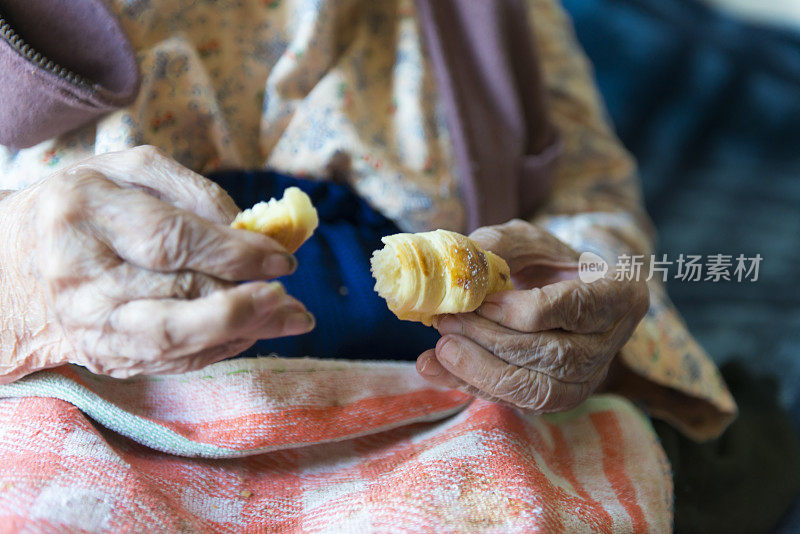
(428, 368)
(279, 264)
(299, 322)
(266, 295)
(489, 309)
(448, 350)
(292, 262)
(447, 322)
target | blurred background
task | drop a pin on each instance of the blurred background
(706, 94)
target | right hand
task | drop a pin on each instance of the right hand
(125, 264)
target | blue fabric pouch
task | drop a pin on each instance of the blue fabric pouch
(333, 277)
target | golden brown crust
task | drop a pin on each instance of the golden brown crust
(427, 274)
(290, 221)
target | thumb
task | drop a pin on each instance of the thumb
(534, 255)
(522, 243)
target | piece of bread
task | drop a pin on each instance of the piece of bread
(289, 221)
(427, 274)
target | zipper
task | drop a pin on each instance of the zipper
(16, 42)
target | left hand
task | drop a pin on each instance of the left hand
(544, 346)
(125, 263)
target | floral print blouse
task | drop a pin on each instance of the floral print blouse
(323, 88)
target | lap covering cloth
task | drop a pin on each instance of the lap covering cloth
(275, 444)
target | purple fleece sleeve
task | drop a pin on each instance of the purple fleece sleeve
(63, 63)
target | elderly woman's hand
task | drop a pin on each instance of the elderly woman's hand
(548, 344)
(125, 264)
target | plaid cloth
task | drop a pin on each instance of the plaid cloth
(302, 445)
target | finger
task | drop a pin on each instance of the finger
(87, 304)
(289, 319)
(149, 169)
(127, 282)
(292, 319)
(570, 305)
(433, 371)
(155, 235)
(519, 386)
(199, 360)
(285, 316)
(562, 355)
(136, 284)
(171, 328)
(119, 367)
(522, 244)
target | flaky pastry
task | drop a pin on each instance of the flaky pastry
(427, 274)
(289, 221)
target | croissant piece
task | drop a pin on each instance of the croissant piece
(427, 274)
(289, 221)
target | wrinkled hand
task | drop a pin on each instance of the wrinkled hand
(546, 345)
(125, 264)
